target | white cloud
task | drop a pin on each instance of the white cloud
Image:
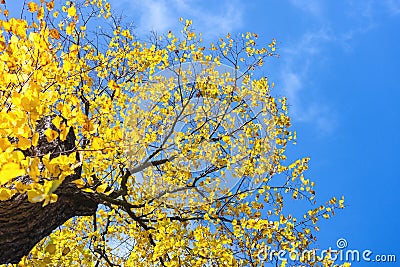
(313, 7)
(310, 43)
(373, 10)
(291, 84)
(304, 107)
(225, 21)
(155, 16)
(393, 6)
(296, 78)
(214, 19)
(303, 55)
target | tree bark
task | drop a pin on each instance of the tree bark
(24, 224)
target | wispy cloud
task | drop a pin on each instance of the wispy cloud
(393, 6)
(373, 10)
(161, 15)
(155, 15)
(303, 56)
(314, 7)
(296, 80)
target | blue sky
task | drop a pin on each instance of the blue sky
(339, 66)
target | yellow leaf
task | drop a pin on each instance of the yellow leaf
(52, 166)
(101, 188)
(19, 186)
(51, 248)
(35, 196)
(113, 85)
(79, 183)
(46, 260)
(51, 186)
(88, 190)
(57, 121)
(50, 5)
(5, 194)
(55, 34)
(65, 251)
(40, 13)
(97, 143)
(50, 134)
(64, 132)
(24, 143)
(35, 139)
(34, 171)
(71, 11)
(4, 144)
(9, 171)
(52, 198)
(70, 28)
(226, 139)
(33, 7)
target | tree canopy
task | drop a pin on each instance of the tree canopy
(115, 151)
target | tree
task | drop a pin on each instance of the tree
(122, 152)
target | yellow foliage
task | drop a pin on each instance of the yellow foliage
(71, 11)
(50, 134)
(33, 7)
(9, 171)
(5, 194)
(178, 140)
(101, 188)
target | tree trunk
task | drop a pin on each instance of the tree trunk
(24, 224)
